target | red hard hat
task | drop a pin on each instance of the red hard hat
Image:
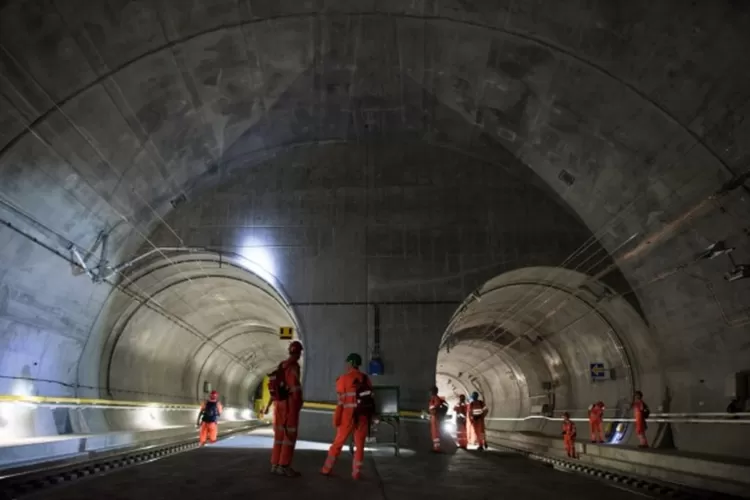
(295, 346)
(213, 396)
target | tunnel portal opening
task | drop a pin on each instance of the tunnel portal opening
(185, 322)
(542, 341)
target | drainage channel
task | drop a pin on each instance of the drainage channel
(18, 485)
(646, 485)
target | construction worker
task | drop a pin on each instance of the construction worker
(569, 435)
(641, 413)
(477, 412)
(208, 417)
(461, 409)
(596, 420)
(437, 410)
(354, 412)
(287, 391)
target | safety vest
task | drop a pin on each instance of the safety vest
(596, 413)
(357, 396)
(476, 410)
(460, 411)
(569, 428)
(277, 382)
(210, 412)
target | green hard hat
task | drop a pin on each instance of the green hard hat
(354, 359)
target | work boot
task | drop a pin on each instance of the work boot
(326, 472)
(356, 476)
(285, 470)
(273, 469)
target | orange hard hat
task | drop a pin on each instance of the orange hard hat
(295, 346)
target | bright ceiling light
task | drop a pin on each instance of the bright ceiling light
(258, 258)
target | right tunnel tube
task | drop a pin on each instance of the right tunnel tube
(544, 341)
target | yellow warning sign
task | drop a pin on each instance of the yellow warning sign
(286, 332)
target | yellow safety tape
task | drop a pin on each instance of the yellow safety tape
(330, 406)
(87, 401)
(55, 400)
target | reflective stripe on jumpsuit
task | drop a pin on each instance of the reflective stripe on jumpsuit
(435, 402)
(346, 422)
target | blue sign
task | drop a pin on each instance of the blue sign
(597, 371)
(376, 367)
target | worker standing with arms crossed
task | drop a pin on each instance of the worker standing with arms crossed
(461, 410)
(208, 417)
(596, 420)
(477, 412)
(286, 393)
(437, 409)
(354, 412)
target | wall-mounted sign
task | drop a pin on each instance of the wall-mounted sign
(597, 371)
(286, 332)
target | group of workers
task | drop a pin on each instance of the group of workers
(353, 414)
(356, 408)
(469, 420)
(596, 422)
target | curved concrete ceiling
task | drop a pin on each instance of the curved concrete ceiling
(398, 153)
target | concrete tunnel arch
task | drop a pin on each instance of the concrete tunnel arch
(541, 325)
(185, 318)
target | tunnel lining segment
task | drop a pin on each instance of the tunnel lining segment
(568, 294)
(246, 330)
(560, 355)
(109, 74)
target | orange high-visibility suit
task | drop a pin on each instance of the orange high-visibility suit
(286, 416)
(461, 410)
(435, 403)
(640, 422)
(347, 421)
(596, 420)
(477, 411)
(209, 430)
(569, 437)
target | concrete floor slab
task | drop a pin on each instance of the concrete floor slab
(239, 468)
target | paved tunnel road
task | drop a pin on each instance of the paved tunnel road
(238, 469)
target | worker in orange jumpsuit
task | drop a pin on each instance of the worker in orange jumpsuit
(641, 412)
(208, 417)
(353, 414)
(596, 420)
(436, 409)
(286, 415)
(477, 413)
(569, 435)
(461, 410)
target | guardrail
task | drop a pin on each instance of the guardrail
(59, 401)
(63, 402)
